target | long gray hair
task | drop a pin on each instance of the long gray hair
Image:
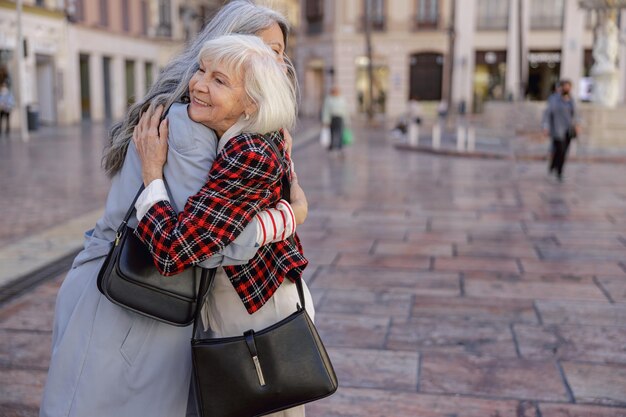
(239, 16)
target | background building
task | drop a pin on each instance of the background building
(466, 52)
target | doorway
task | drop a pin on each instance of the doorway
(46, 96)
(85, 98)
(426, 76)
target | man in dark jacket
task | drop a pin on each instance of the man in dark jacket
(560, 121)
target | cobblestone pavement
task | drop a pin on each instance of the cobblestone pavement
(443, 287)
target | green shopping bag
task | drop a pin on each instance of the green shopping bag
(346, 137)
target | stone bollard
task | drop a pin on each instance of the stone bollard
(460, 138)
(414, 134)
(436, 136)
(471, 139)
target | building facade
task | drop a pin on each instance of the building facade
(91, 59)
(463, 52)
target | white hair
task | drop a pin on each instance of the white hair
(265, 80)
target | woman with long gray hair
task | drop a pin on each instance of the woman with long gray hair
(107, 361)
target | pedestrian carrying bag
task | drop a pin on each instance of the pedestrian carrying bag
(130, 279)
(259, 373)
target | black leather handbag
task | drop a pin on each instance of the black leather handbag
(259, 373)
(130, 279)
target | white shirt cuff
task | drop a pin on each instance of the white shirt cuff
(153, 193)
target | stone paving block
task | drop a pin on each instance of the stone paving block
(438, 224)
(587, 241)
(357, 301)
(496, 236)
(571, 410)
(575, 343)
(355, 331)
(582, 313)
(572, 266)
(396, 280)
(366, 232)
(466, 264)
(383, 261)
(500, 378)
(387, 247)
(491, 250)
(615, 286)
(434, 335)
(18, 410)
(533, 286)
(19, 349)
(317, 257)
(552, 253)
(437, 237)
(347, 244)
(368, 368)
(23, 387)
(358, 402)
(474, 309)
(595, 383)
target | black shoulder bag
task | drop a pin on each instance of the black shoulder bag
(259, 373)
(130, 279)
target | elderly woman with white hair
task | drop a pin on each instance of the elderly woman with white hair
(108, 361)
(242, 94)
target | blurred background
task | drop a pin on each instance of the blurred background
(90, 59)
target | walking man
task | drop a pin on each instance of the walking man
(560, 121)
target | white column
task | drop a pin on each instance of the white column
(140, 80)
(464, 53)
(572, 46)
(118, 85)
(512, 51)
(96, 87)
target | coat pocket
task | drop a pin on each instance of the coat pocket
(140, 328)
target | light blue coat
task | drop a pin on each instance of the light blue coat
(107, 361)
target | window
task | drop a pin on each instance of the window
(144, 17)
(314, 16)
(546, 14)
(76, 10)
(125, 16)
(493, 14)
(148, 75)
(130, 82)
(165, 18)
(39, 3)
(377, 13)
(427, 14)
(104, 12)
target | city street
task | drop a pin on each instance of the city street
(444, 286)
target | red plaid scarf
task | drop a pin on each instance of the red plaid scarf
(244, 180)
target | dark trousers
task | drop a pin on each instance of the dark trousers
(559, 154)
(4, 115)
(336, 133)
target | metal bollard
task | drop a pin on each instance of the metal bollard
(471, 139)
(460, 138)
(436, 136)
(414, 134)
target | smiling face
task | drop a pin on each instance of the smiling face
(217, 97)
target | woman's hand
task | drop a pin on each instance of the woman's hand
(150, 139)
(288, 141)
(298, 202)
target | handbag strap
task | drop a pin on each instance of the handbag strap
(131, 209)
(207, 277)
(285, 186)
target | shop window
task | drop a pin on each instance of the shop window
(544, 68)
(130, 82)
(492, 15)
(380, 85)
(426, 76)
(489, 77)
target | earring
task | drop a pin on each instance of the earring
(247, 116)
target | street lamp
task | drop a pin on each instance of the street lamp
(605, 50)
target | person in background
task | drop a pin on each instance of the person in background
(7, 102)
(335, 116)
(561, 122)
